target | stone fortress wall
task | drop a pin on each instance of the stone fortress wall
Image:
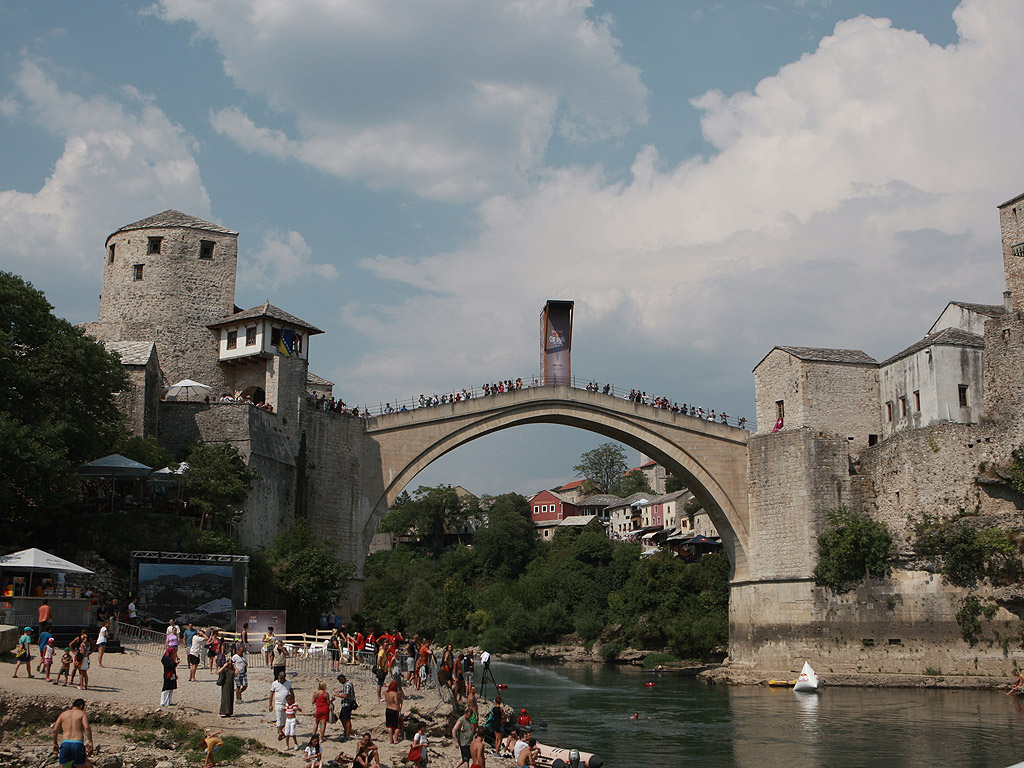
(907, 623)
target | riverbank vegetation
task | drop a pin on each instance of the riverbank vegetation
(503, 589)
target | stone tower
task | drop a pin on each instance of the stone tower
(1011, 225)
(165, 279)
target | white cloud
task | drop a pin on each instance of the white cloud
(282, 259)
(453, 100)
(121, 161)
(852, 194)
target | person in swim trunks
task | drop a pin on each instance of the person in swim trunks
(477, 750)
(73, 724)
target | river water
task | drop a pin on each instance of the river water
(683, 722)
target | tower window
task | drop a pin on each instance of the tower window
(206, 249)
(903, 407)
(298, 342)
(1018, 249)
(917, 400)
(232, 339)
(250, 336)
(154, 244)
(780, 409)
(275, 337)
(963, 395)
(888, 411)
(110, 254)
(137, 272)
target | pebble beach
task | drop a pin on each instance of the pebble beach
(130, 683)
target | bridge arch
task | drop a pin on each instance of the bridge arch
(709, 458)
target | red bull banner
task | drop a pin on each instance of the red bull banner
(556, 343)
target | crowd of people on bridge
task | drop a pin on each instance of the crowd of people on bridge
(322, 402)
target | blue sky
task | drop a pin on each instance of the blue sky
(705, 180)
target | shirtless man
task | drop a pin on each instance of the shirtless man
(524, 751)
(73, 724)
(477, 750)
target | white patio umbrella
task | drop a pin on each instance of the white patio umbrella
(188, 388)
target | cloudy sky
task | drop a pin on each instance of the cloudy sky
(704, 179)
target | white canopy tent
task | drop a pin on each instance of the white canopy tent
(37, 560)
(33, 560)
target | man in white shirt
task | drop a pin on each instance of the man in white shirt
(195, 650)
(279, 691)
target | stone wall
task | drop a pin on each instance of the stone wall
(906, 624)
(263, 440)
(932, 471)
(795, 476)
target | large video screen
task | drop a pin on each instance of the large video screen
(204, 593)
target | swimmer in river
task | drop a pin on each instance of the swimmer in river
(635, 716)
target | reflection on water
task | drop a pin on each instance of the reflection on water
(683, 722)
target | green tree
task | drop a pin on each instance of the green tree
(146, 450)
(57, 406)
(427, 515)
(307, 573)
(603, 466)
(852, 548)
(634, 482)
(218, 481)
(507, 542)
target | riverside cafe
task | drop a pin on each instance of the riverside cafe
(31, 576)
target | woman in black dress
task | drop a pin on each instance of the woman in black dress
(226, 681)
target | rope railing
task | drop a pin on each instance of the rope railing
(398, 405)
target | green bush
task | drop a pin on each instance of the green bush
(610, 651)
(966, 554)
(852, 548)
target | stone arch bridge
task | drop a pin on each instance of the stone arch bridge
(710, 458)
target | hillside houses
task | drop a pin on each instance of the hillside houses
(657, 519)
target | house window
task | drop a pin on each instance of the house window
(110, 254)
(232, 339)
(250, 336)
(963, 395)
(154, 244)
(888, 411)
(903, 407)
(206, 249)
(872, 440)
(137, 272)
(917, 401)
(536, 509)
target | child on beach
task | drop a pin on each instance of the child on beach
(48, 658)
(212, 745)
(314, 755)
(291, 722)
(65, 667)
